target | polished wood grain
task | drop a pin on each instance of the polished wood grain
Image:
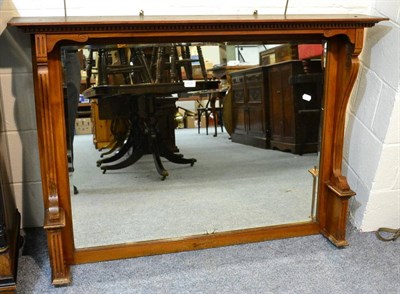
(198, 242)
(342, 67)
(344, 37)
(10, 244)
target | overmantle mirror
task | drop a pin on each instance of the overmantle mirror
(343, 36)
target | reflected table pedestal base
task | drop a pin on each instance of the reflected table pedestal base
(144, 138)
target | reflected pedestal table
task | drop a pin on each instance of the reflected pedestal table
(144, 135)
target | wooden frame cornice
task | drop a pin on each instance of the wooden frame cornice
(343, 35)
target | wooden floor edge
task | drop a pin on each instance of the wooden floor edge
(146, 248)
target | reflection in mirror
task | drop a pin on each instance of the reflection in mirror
(175, 140)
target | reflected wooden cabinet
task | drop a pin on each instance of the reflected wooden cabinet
(295, 106)
(270, 109)
(102, 135)
(222, 72)
(279, 54)
(250, 107)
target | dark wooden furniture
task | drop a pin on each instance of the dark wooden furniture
(344, 37)
(10, 241)
(84, 110)
(270, 111)
(222, 73)
(118, 117)
(250, 110)
(294, 121)
(151, 130)
(136, 95)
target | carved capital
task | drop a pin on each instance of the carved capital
(339, 182)
(40, 48)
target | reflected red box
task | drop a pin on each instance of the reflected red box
(307, 51)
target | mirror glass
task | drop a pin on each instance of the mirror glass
(144, 164)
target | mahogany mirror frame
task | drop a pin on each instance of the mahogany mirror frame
(344, 36)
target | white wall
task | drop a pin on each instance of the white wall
(372, 150)
(371, 117)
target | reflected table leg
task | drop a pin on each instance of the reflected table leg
(145, 138)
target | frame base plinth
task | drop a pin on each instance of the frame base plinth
(60, 269)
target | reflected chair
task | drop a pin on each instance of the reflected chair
(211, 109)
(172, 59)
